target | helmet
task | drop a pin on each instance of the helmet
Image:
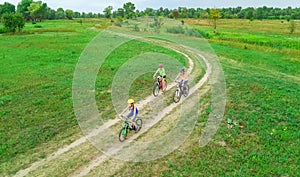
(160, 65)
(181, 69)
(130, 101)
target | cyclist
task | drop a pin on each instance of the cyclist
(183, 78)
(133, 112)
(162, 73)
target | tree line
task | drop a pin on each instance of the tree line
(29, 10)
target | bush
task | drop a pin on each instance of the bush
(192, 32)
(37, 26)
(3, 30)
(13, 21)
(176, 30)
(119, 24)
(204, 34)
(292, 26)
(136, 28)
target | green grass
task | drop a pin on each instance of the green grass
(35, 88)
(263, 95)
(142, 85)
(261, 67)
(36, 83)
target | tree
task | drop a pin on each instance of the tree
(37, 10)
(175, 14)
(34, 9)
(214, 15)
(13, 21)
(121, 12)
(50, 14)
(183, 12)
(149, 11)
(129, 10)
(77, 15)
(7, 8)
(23, 8)
(260, 14)
(249, 13)
(69, 14)
(60, 13)
(108, 12)
(20, 21)
(8, 20)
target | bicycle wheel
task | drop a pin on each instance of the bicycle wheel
(186, 92)
(122, 134)
(139, 123)
(166, 84)
(177, 96)
(156, 89)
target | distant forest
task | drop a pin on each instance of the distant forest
(37, 11)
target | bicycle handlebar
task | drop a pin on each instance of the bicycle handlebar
(122, 117)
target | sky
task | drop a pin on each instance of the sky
(97, 6)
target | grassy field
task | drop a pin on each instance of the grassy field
(36, 84)
(262, 68)
(261, 63)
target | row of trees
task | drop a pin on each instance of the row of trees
(226, 13)
(38, 10)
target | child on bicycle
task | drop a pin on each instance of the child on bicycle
(133, 112)
(183, 78)
(162, 73)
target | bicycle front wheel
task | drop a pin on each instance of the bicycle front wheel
(122, 134)
(156, 89)
(177, 96)
(166, 83)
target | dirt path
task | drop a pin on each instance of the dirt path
(100, 159)
(113, 150)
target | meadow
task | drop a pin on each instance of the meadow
(261, 63)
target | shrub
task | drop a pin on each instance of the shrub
(204, 34)
(3, 30)
(119, 24)
(176, 30)
(192, 32)
(136, 28)
(292, 26)
(37, 26)
(9, 22)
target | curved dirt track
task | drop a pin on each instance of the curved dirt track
(102, 158)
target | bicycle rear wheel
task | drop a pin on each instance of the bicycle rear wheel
(139, 123)
(186, 92)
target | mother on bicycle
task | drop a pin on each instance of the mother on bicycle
(183, 78)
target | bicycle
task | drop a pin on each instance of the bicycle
(180, 91)
(128, 125)
(158, 86)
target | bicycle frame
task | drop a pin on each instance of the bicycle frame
(159, 82)
(180, 87)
